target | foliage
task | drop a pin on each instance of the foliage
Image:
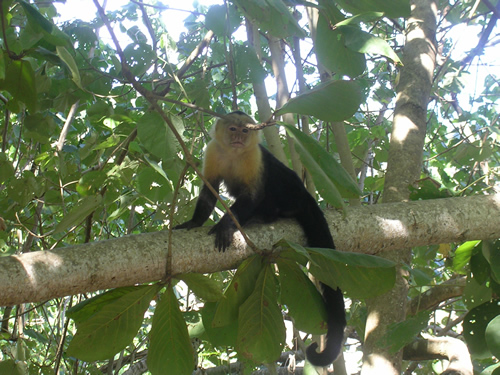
(94, 140)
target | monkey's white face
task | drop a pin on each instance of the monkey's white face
(237, 136)
(233, 135)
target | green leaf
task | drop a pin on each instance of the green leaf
(153, 185)
(11, 367)
(479, 267)
(360, 275)
(273, 16)
(293, 251)
(139, 57)
(491, 252)
(331, 179)
(169, 344)
(304, 302)
(237, 292)
(20, 82)
(51, 33)
(38, 22)
(491, 370)
(360, 41)
(392, 8)
(329, 101)
(156, 136)
(492, 336)
(218, 336)
(2, 66)
(333, 54)
(360, 18)
(91, 182)
(261, 330)
(40, 127)
(113, 327)
(65, 56)
(216, 20)
(79, 212)
(87, 308)
(204, 287)
(475, 323)
(403, 333)
(475, 294)
(462, 255)
(6, 168)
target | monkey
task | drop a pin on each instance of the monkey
(265, 190)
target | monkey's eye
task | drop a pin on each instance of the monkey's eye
(232, 128)
(245, 130)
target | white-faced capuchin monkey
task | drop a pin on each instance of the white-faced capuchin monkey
(265, 190)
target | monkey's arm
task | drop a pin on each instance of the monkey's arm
(204, 207)
(243, 209)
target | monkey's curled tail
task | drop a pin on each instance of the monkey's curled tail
(334, 303)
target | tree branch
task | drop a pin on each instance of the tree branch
(454, 350)
(43, 275)
(437, 294)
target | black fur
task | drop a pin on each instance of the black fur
(281, 194)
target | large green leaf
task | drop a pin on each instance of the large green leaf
(65, 56)
(153, 184)
(204, 287)
(91, 182)
(475, 324)
(329, 101)
(491, 252)
(463, 254)
(332, 52)
(273, 16)
(20, 83)
(360, 275)
(51, 33)
(79, 212)
(491, 370)
(358, 40)
(392, 8)
(476, 294)
(218, 336)
(38, 22)
(261, 330)
(331, 179)
(492, 336)
(403, 333)
(216, 19)
(87, 308)
(237, 292)
(12, 367)
(170, 349)
(112, 327)
(304, 302)
(140, 57)
(157, 137)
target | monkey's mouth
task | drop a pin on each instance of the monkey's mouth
(237, 144)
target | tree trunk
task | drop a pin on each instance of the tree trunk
(403, 169)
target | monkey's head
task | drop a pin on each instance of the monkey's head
(232, 132)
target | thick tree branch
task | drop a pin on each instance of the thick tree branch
(454, 350)
(437, 294)
(129, 260)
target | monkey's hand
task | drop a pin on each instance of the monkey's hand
(224, 231)
(187, 225)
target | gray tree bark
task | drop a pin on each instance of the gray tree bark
(43, 275)
(403, 169)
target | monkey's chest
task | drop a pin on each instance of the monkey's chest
(241, 176)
